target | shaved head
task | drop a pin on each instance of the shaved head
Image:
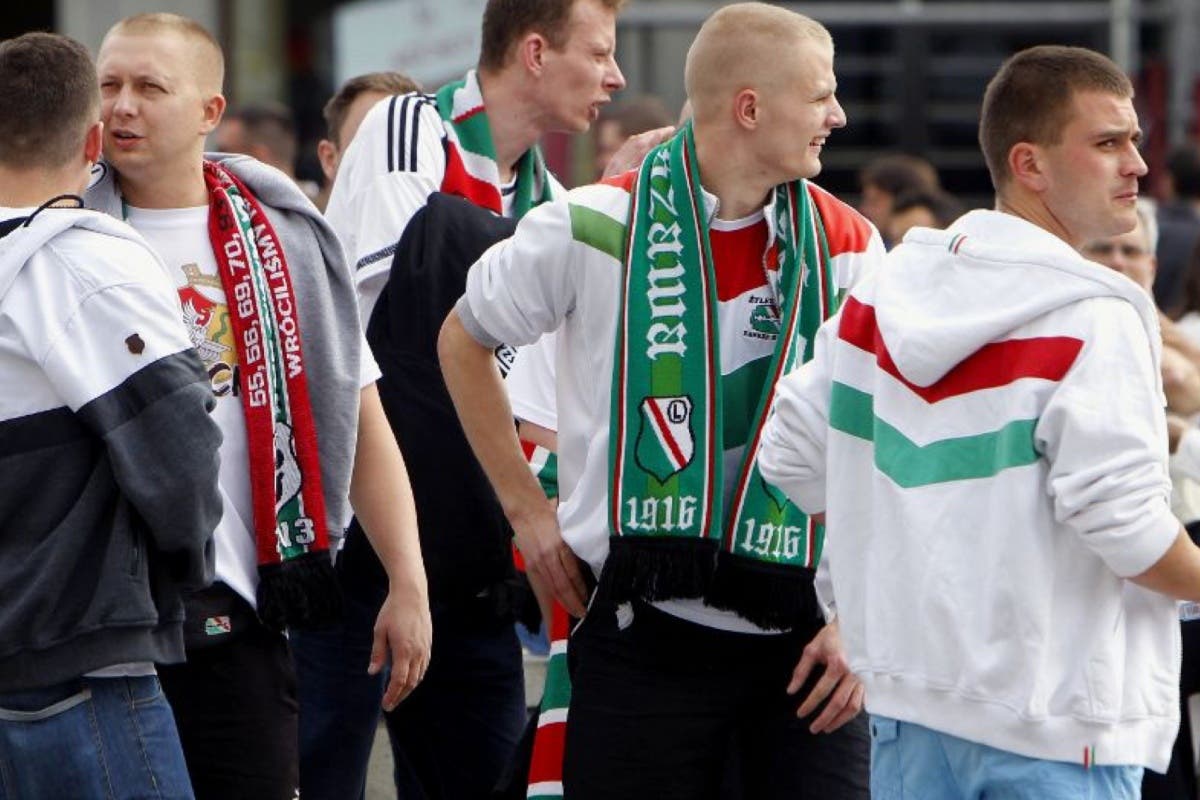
(197, 45)
(740, 46)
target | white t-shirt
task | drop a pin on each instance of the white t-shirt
(180, 237)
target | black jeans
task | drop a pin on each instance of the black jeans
(236, 709)
(668, 709)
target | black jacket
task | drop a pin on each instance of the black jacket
(465, 539)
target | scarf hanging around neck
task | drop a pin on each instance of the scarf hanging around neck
(297, 584)
(671, 534)
(471, 168)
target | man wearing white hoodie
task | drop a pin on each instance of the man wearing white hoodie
(108, 490)
(982, 426)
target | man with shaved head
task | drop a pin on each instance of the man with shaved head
(269, 305)
(683, 289)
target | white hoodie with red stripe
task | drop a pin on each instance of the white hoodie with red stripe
(983, 426)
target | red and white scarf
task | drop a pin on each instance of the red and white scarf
(297, 585)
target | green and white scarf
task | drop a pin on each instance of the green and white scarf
(671, 533)
(471, 168)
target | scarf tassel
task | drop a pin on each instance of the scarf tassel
(772, 596)
(652, 568)
(302, 592)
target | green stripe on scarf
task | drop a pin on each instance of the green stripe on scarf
(910, 465)
(667, 480)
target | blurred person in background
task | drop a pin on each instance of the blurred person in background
(344, 113)
(884, 179)
(1132, 254)
(266, 131)
(1178, 224)
(925, 208)
(621, 120)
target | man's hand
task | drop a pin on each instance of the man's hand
(845, 692)
(404, 630)
(548, 560)
(630, 154)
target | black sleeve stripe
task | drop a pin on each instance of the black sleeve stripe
(416, 128)
(391, 120)
(402, 164)
(378, 255)
(404, 126)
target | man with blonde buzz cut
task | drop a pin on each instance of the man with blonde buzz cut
(703, 634)
(983, 428)
(269, 304)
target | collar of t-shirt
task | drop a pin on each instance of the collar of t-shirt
(508, 196)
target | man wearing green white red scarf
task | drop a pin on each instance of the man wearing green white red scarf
(683, 290)
(269, 304)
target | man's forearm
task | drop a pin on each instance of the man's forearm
(382, 498)
(483, 408)
(1177, 573)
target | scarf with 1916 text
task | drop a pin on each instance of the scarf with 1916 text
(671, 534)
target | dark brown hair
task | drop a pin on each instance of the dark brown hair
(1031, 99)
(506, 21)
(386, 82)
(50, 96)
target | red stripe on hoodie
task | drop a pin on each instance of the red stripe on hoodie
(995, 364)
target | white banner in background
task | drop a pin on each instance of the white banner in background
(432, 41)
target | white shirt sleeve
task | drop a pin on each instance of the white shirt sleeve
(524, 287)
(1104, 435)
(530, 384)
(397, 159)
(792, 453)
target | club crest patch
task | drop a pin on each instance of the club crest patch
(665, 443)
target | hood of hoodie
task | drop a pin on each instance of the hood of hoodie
(942, 295)
(270, 186)
(26, 237)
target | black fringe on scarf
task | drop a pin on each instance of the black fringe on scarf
(772, 596)
(302, 592)
(657, 568)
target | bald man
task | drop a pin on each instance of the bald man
(269, 303)
(704, 638)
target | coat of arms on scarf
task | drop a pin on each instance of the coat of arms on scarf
(665, 443)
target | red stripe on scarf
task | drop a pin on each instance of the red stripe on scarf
(458, 181)
(234, 269)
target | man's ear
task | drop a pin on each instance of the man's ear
(532, 52)
(1026, 166)
(745, 109)
(93, 142)
(214, 109)
(327, 154)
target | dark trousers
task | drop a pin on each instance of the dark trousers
(1180, 781)
(668, 709)
(452, 738)
(236, 709)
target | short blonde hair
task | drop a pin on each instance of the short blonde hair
(210, 58)
(742, 42)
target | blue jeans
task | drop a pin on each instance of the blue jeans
(912, 762)
(107, 738)
(339, 701)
